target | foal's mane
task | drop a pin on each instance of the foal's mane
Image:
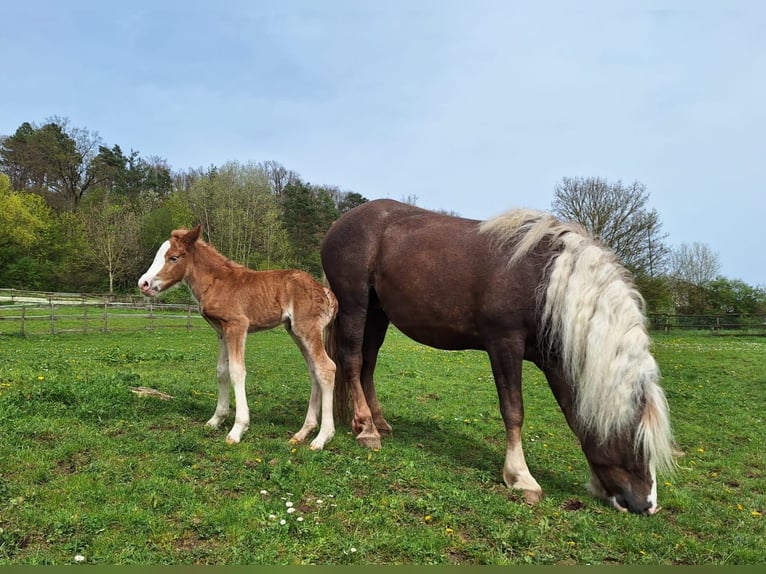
(207, 251)
(593, 317)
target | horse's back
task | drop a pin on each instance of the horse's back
(435, 276)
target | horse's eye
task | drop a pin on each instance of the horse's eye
(173, 258)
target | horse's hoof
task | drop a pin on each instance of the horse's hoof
(384, 429)
(369, 441)
(295, 441)
(532, 497)
(231, 440)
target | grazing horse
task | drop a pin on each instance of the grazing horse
(236, 301)
(520, 286)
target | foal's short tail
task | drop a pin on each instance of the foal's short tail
(342, 400)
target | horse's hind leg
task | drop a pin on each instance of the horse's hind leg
(506, 367)
(374, 335)
(224, 382)
(322, 372)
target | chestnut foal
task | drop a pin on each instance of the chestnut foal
(236, 301)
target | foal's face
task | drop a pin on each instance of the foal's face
(622, 479)
(167, 269)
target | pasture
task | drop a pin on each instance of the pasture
(89, 468)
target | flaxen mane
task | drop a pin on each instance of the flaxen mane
(593, 316)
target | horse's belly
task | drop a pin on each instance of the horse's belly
(449, 327)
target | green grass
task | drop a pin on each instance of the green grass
(87, 467)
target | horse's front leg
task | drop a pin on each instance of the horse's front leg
(235, 342)
(506, 368)
(224, 382)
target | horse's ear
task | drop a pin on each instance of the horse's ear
(192, 236)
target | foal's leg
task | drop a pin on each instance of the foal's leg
(506, 364)
(322, 371)
(236, 334)
(222, 372)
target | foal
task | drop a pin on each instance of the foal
(236, 301)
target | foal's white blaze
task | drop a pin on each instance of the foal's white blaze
(148, 283)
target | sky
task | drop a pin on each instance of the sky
(470, 107)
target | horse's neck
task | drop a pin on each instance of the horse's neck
(206, 265)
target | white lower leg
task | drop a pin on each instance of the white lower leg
(311, 416)
(327, 430)
(242, 413)
(517, 476)
(224, 382)
(222, 408)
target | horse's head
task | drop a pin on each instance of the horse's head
(170, 263)
(621, 476)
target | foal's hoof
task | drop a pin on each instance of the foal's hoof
(231, 440)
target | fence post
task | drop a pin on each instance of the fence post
(105, 328)
(53, 314)
(23, 318)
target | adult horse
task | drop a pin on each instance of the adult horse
(236, 301)
(520, 286)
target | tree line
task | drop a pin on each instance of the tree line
(78, 215)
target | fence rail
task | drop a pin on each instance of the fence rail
(733, 323)
(34, 312)
(31, 312)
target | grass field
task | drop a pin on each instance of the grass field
(89, 468)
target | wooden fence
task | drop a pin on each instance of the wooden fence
(729, 324)
(29, 313)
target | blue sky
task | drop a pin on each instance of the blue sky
(472, 107)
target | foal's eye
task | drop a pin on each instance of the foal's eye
(173, 258)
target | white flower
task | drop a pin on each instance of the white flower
(290, 510)
(319, 501)
(264, 492)
(299, 519)
(353, 550)
(283, 522)
(288, 504)
(79, 558)
(272, 516)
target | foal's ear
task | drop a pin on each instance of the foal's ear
(192, 236)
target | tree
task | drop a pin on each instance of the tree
(617, 215)
(691, 270)
(735, 296)
(308, 212)
(696, 264)
(24, 222)
(239, 214)
(54, 160)
(350, 200)
(278, 175)
(111, 228)
(23, 216)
